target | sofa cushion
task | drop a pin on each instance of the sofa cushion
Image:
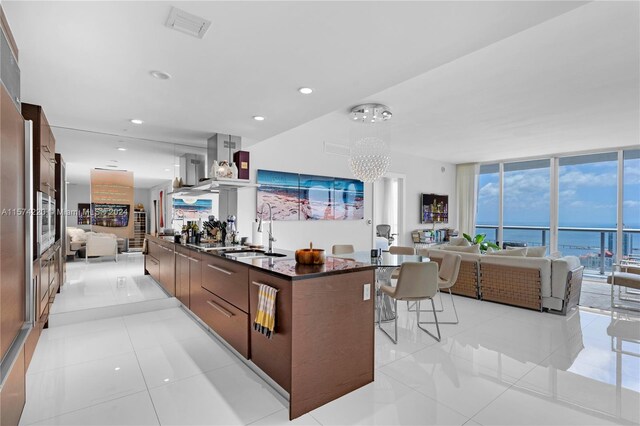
(560, 268)
(536, 251)
(463, 249)
(519, 251)
(76, 234)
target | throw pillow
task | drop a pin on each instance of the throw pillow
(459, 241)
(537, 251)
(518, 252)
(468, 249)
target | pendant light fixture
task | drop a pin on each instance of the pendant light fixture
(370, 153)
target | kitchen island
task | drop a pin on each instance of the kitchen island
(323, 343)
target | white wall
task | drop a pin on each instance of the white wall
(79, 193)
(301, 150)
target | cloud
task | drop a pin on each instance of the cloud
(573, 178)
(489, 190)
(631, 204)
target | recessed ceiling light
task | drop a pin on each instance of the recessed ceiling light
(136, 121)
(160, 75)
(121, 148)
(177, 165)
(258, 118)
(305, 90)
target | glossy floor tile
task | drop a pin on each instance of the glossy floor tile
(63, 390)
(103, 282)
(499, 365)
(225, 396)
(132, 410)
(386, 402)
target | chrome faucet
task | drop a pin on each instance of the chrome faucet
(271, 239)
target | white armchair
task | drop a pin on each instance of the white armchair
(101, 245)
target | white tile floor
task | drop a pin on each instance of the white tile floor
(500, 365)
(104, 282)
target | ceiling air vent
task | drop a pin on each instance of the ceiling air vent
(336, 149)
(187, 23)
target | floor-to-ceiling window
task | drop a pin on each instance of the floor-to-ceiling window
(587, 209)
(487, 214)
(631, 204)
(526, 203)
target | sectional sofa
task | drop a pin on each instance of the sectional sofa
(533, 282)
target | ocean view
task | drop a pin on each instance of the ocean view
(584, 244)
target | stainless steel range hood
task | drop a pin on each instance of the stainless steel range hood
(221, 147)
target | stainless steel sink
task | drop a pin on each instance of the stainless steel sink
(250, 254)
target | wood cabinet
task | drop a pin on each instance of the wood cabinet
(273, 356)
(12, 224)
(195, 272)
(13, 394)
(183, 275)
(44, 148)
(231, 323)
(160, 263)
(226, 279)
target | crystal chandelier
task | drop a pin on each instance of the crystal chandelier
(370, 153)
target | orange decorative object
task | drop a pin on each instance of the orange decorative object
(310, 256)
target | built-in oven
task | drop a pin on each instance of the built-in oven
(46, 221)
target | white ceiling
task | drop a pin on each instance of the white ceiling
(467, 81)
(152, 162)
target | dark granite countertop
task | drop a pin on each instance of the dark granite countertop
(285, 266)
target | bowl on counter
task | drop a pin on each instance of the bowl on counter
(310, 256)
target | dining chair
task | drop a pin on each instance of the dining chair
(400, 250)
(342, 249)
(447, 277)
(417, 281)
(410, 251)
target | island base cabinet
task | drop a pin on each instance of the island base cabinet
(229, 322)
(153, 267)
(273, 356)
(332, 342)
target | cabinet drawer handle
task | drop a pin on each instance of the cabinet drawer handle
(152, 261)
(182, 255)
(224, 271)
(194, 259)
(219, 308)
(45, 148)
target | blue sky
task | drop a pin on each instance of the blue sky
(587, 196)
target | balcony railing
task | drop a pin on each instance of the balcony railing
(597, 253)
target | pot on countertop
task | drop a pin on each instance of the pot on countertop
(310, 256)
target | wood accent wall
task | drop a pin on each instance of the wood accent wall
(113, 187)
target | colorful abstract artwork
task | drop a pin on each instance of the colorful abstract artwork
(295, 196)
(281, 191)
(435, 208)
(191, 208)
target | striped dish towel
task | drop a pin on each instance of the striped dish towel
(265, 321)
